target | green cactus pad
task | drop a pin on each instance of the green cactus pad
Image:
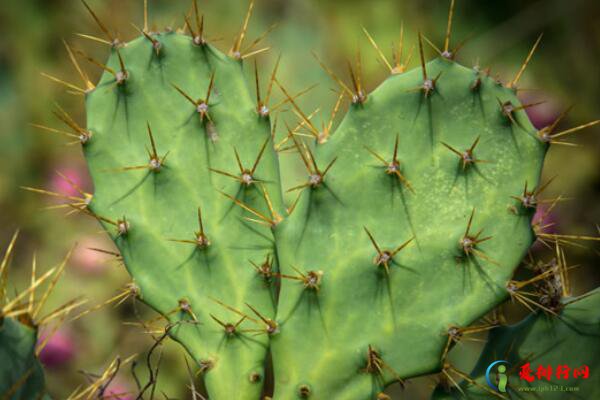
(364, 327)
(21, 375)
(569, 339)
(150, 209)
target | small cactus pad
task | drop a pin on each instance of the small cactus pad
(21, 375)
(408, 226)
(181, 160)
(566, 343)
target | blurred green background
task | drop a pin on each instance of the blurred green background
(564, 71)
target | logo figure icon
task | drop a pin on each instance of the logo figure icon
(500, 374)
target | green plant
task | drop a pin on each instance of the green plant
(21, 375)
(172, 126)
(568, 339)
(415, 213)
(21, 317)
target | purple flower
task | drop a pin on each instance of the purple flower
(58, 350)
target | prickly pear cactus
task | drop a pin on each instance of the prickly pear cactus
(569, 339)
(181, 160)
(405, 227)
(21, 375)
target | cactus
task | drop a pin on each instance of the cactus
(568, 339)
(21, 318)
(410, 230)
(21, 375)
(414, 215)
(178, 153)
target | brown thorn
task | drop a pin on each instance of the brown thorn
(273, 74)
(64, 83)
(449, 27)
(373, 240)
(100, 24)
(260, 154)
(235, 50)
(401, 247)
(210, 87)
(86, 80)
(377, 49)
(422, 57)
(513, 83)
(184, 94)
(333, 76)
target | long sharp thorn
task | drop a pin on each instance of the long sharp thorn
(240, 38)
(100, 24)
(200, 224)
(378, 50)
(238, 160)
(273, 74)
(433, 46)
(53, 282)
(86, 80)
(452, 149)
(422, 56)
(258, 103)
(189, 26)
(335, 110)
(449, 27)
(260, 154)
(154, 153)
(249, 209)
(328, 167)
(545, 185)
(145, 16)
(210, 87)
(372, 240)
(64, 83)
(255, 52)
(247, 51)
(377, 156)
(353, 78)
(401, 247)
(121, 62)
(4, 266)
(184, 94)
(469, 223)
(577, 128)
(333, 76)
(258, 314)
(562, 115)
(199, 24)
(295, 105)
(401, 43)
(513, 83)
(93, 38)
(32, 294)
(97, 63)
(15, 301)
(475, 144)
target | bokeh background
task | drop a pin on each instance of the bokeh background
(564, 71)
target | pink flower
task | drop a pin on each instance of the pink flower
(546, 221)
(543, 114)
(91, 261)
(77, 177)
(58, 350)
(118, 390)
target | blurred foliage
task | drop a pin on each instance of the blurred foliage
(564, 71)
